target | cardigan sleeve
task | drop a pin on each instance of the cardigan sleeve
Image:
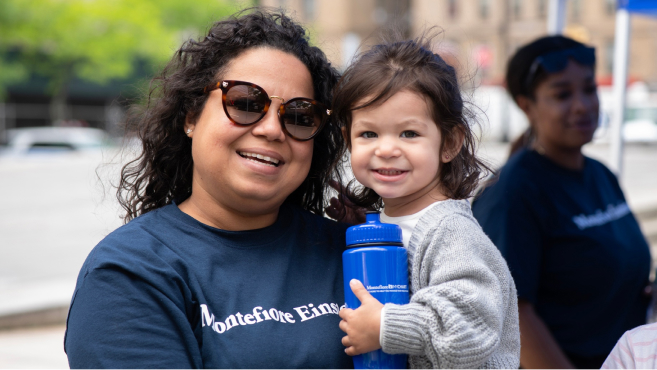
(462, 292)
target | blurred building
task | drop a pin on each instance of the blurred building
(87, 105)
(478, 35)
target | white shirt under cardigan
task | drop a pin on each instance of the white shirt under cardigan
(463, 311)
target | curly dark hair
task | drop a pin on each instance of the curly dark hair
(410, 65)
(162, 173)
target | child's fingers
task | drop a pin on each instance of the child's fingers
(352, 351)
(344, 313)
(346, 341)
(359, 291)
(343, 326)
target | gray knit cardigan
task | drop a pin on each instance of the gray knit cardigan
(463, 311)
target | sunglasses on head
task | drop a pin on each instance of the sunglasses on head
(557, 61)
(246, 103)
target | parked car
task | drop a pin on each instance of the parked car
(640, 126)
(31, 140)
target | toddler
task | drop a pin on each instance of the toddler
(405, 125)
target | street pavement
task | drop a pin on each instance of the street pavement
(33, 348)
(55, 208)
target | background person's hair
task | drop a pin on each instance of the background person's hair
(162, 173)
(517, 71)
(386, 69)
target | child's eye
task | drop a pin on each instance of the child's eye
(368, 135)
(409, 134)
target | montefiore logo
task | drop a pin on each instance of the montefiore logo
(389, 288)
(258, 315)
(600, 217)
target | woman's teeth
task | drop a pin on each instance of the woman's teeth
(259, 158)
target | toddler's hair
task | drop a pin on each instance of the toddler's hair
(385, 69)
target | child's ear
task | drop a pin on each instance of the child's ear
(453, 145)
(190, 125)
(345, 137)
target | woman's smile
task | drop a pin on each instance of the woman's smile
(261, 164)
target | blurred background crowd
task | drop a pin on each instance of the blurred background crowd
(71, 71)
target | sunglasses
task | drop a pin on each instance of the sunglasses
(246, 103)
(557, 61)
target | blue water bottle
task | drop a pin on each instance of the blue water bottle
(377, 258)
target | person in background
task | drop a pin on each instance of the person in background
(637, 349)
(577, 255)
(226, 261)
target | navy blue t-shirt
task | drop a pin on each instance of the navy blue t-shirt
(573, 247)
(166, 291)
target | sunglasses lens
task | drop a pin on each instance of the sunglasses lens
(245, 104)
(302, 118)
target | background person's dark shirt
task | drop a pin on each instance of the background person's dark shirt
(573, 247)
(166, 291)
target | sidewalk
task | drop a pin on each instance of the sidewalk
(34, 348)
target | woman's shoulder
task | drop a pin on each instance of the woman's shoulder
(598, 169)
(321, 230)
(520, 180)
(517, 174)
(138, 240)
(318, 221)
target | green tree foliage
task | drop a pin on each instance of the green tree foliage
(95, 40)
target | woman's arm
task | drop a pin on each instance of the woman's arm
(539, 350)
(119, 320)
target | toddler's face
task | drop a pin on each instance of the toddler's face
(395, 148)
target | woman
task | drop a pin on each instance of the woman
(222, 264)
(560, 219)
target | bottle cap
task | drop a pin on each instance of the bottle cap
(374, 231)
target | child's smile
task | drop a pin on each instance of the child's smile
(395, 150)
(389, 174)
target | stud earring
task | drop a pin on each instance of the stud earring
(447, 156)
(189, 131)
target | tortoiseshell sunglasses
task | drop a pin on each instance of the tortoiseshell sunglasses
(246, 103)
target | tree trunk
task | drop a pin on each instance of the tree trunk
(58, 107)
(59, 90)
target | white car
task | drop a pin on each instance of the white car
(640, 126)
(30, 140)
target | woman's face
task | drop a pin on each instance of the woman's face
(565, 110)
(250, 170)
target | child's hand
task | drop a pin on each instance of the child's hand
(363, 324)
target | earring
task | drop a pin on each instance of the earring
(447, 157)
(189, 131)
